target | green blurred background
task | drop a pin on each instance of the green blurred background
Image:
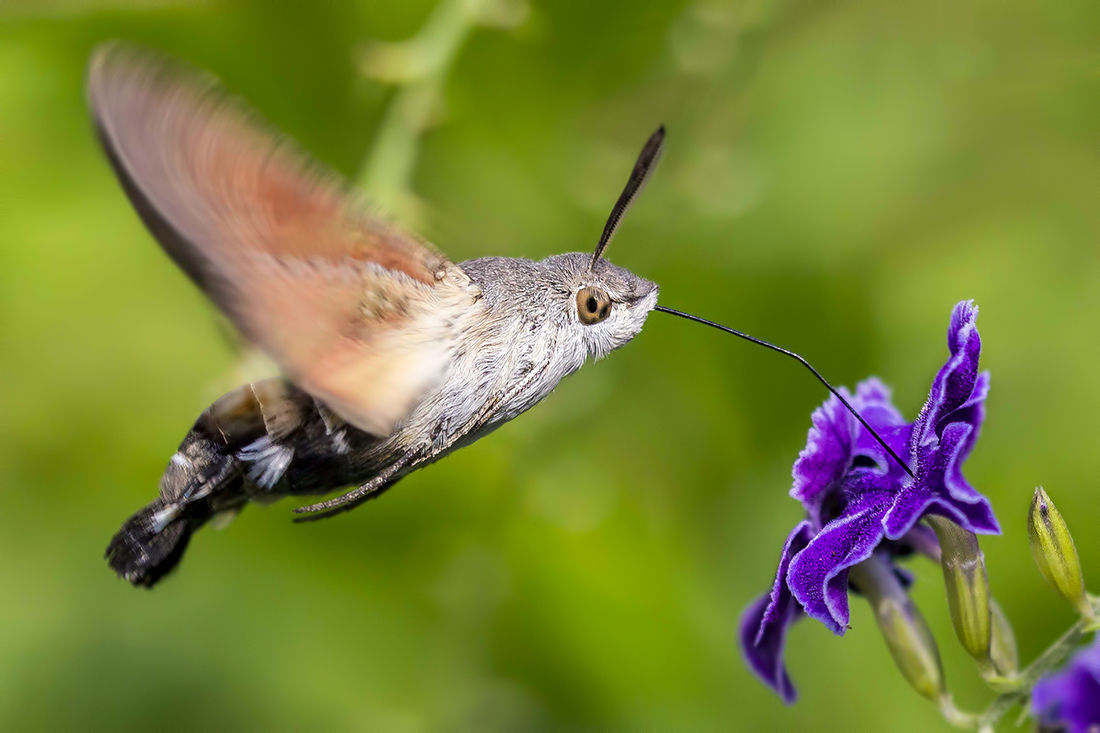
(837, 176)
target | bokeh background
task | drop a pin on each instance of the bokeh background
(837, 176)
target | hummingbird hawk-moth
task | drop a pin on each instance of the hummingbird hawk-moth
(392, 355)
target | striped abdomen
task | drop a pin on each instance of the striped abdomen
(259, 442)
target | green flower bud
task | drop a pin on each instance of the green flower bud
(903, 628)
(967, 587)
(1006, 660)
(1054, 552)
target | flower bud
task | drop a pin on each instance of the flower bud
(906, 634)
(1054, 552)
(1006, 660)
(967, 586)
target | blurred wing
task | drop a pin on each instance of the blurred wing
(357, 313)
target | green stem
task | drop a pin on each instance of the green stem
(1024, 681)
(419, 66)
(956, 717)
(1053, 657)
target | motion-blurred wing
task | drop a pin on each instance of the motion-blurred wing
(357, 313)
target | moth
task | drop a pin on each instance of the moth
(392, 356)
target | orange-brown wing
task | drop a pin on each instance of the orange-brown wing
(356, 312)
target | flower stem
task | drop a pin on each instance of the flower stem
(418, 67)
(1023, 682)
(1053, 657)
(956, 717)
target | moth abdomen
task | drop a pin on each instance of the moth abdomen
(204, 478)
(259, 442)
(201, 480)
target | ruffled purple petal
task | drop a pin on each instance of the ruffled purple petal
(1071, 698)
(897, 437)
(913, 505)
(873, 403)
(764, 624)
(972, 414)
(779, 599)
(943, 437)
(940, 488)
(766, 659)
(827, 455)
(875, 397)
(944, 467)
(818, 576)
(955, 382)
(873, 400)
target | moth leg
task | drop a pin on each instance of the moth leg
(405, 463)
(355, 497)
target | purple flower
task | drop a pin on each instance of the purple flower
(1070, 699)
(858, 501)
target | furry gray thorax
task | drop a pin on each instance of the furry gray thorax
(529, 336)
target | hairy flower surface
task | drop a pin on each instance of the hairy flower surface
(858, 501)
(1070, 699)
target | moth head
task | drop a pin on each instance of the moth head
(606, 305)
(609, 303)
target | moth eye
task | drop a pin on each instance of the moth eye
(593, 305)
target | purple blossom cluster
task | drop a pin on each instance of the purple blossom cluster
(858, 501)
(1070, 699)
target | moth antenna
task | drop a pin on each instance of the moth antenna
(804, 363)
(643, 168)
